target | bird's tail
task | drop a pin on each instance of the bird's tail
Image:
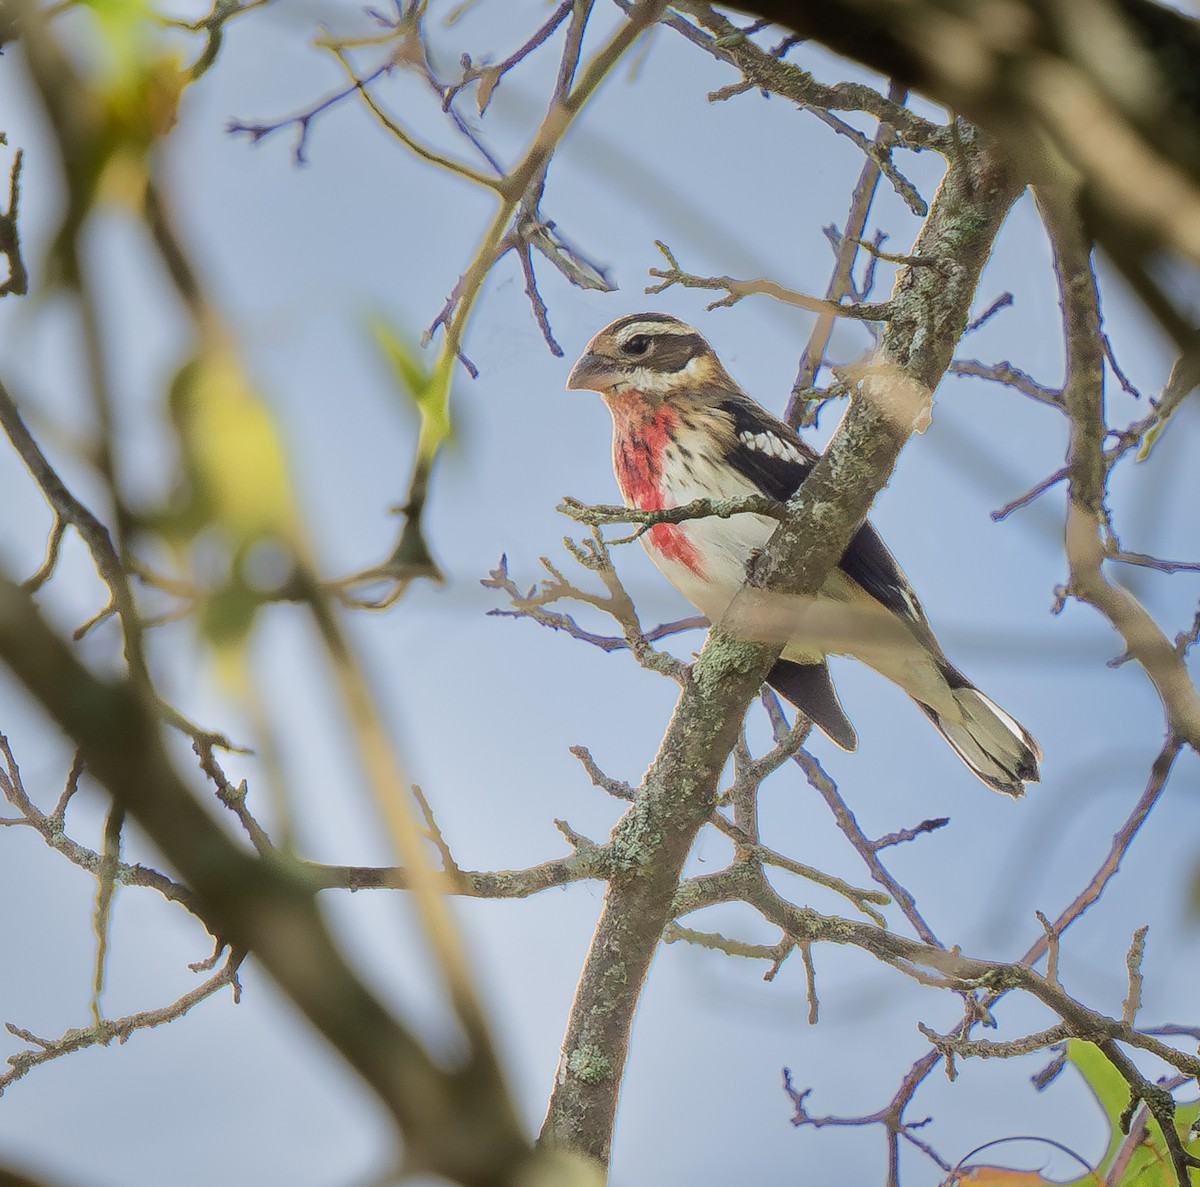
(1001, 751)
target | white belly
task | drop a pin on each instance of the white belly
(841, 620)
(723, 545)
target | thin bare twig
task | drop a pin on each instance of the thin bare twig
(1088, 468)
(802, 406)
(1010, 376)
(1133, 965)
(106, 885)
(103, 1031)
(878, 152)
(213, 25)
(52, 829)
(736, 290)
(848, 823)
(17, 282)
(767, 72)
(1159, 774)
(1030, 495)
(486, 77)
(1003, 301)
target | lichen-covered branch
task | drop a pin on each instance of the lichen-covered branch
(102, 1031)
(581, 864)
(1045, 90)
(52, 829)
(954, 969)
(652, 840)
(766, 72)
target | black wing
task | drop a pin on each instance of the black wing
(777, 461)
(766, 450)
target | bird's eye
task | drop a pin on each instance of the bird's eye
(637, 345)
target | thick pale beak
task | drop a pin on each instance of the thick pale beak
(593, 373)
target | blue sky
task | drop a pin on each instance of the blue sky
(484, 709)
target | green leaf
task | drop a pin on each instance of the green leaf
(427, 387)
(126, 30)
(1150, 1164)
(1107, 1086)
(226, 615)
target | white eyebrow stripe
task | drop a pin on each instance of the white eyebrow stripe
(650, 328)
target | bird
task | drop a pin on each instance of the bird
(683, 429)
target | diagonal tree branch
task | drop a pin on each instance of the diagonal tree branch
(1048, 90)
(652, 840)
(268, 906)
(1087, 471)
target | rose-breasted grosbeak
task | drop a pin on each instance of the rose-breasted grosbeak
(682, 430)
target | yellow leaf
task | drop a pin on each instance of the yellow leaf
(1149, 440)
(143, 104)
(1005, 1176)
(232, 452)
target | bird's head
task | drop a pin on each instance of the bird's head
(652, 353)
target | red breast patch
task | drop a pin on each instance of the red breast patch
(641, 435)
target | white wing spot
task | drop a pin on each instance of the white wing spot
(771, 444)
